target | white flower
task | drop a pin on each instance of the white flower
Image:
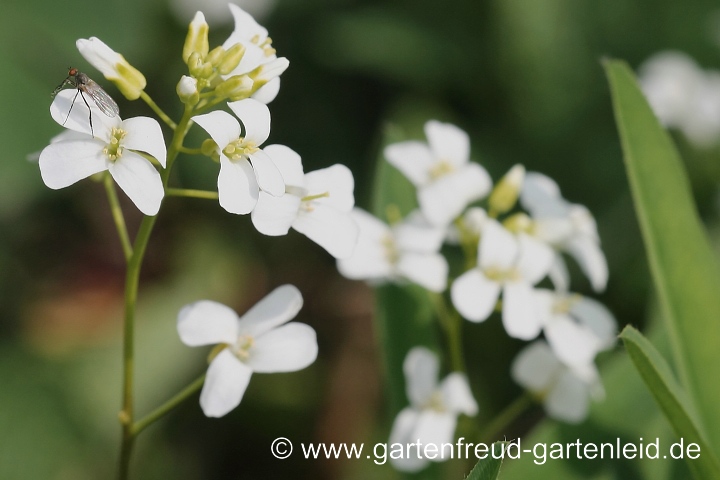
(316, 204)
(434, 407)
(683, 95)
(567, 226)
(509, 264)
(259, 61)
(446, 179)
(113, 66)
(408, 250)
(112, 148)
(244, 168)
(564, 390)
(576, 327)
(256, 342)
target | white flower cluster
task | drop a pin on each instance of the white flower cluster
(511, 252)
(683, 95)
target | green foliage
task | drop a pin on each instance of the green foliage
(488, 468)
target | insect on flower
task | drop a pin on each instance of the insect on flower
(83, 84)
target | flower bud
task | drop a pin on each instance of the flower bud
(215, 56)
(209, 147)
(113, 66)
(187, 90)
(235, 88)
(231, 59)
(197, 38)
(518, 223)
(195, 64)
(506, 192)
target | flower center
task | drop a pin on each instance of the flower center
(440, 169)
(114, 149)
(242, 347)
(265, 45)
(435, 402)
(240, 148)
(562, 305)
(499, 275)
(392, 255)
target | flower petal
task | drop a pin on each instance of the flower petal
(498, 248)
(287, 348)
(591, 259)
(415, 234)
(145, 134)
(414, 160)
(568, 400)
(541, 197)
(245, 26)
(225, 384)
(598, 318)
(369, 260)
(337, 181)
(207, 323)
(558, 273)
(268, 176)
(403, 433)
(278, 307)
(288, 162)
(572, 343)
(421, 367)
(474, 296)
(535, 367)
(70, 110)
(448, 142)
(436, 428)
(221, 126)
(457, 396)
(429, 270)
(519, 315)
(66, 162)
(535, 258)
(444, 199)
(238, 190)
(137, 177)
(275, 215)
(267, 92)
(333, 230)
(255, 117)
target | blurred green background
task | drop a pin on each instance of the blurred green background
(523, 77)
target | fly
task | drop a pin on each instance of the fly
(85, 85)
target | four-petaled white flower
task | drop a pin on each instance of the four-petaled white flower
(112, 147)
(259, 61)
(565, 390)
(566, 226)
(576, 327)
(245, 169)
(408, 250)
(255, 342)
(446, 180)
(316, 204)
(509, 264)
(434, 407)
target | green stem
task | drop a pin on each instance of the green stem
(118, 217)
(506, 418)
(132, 280)
(186, 192)
(166, 407)
(191, 151)
(452, 324)
(158, 111)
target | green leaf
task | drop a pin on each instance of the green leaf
(672, 399)
(487, 468)
(683, 266)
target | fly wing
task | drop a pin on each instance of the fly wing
(104, 101)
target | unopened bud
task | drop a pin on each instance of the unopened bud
(197, 38)
(518, 223)
(113, 66)
(187, 90)
(231, 59)
(506, 192)
(235, 88)
(215, 56)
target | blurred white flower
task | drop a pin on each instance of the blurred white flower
(566, 226)
(316, 204)
(446, 180)
(576, 327)
(508, 263)
(70, 157)
(113, 66)
(564, 390)
(683, 95)
(245, 169)
(259, 61)
(408, 250)
(256, 342)
(469, 226)
(434, 407)
(216, 11)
